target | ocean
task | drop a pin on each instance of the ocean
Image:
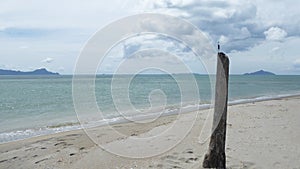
(40, 105)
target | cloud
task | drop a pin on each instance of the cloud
(223, 39)
(149, 48)
(296, 64)
(275, 49)
(275, 34)
(284, 14)
(61, 69)
(48, 60)
(239, 25)
(243, 23)
(225, 21)
(23, 47)
(152, 41)
(3, 66)
(2, 28)
(49, 15)
(153, 59)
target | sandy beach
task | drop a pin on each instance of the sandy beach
(259, 135)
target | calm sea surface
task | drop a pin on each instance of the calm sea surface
(37, 105)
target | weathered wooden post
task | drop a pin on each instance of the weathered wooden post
(216, 158)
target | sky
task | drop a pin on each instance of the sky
(255, 34)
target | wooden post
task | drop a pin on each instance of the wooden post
(216, 158)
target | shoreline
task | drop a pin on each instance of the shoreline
(119, 120)
(260, 135)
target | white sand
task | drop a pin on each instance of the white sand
(259, 135)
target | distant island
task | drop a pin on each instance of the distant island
(41, 71)
(261, 72)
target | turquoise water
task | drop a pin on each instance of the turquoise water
(35, 105)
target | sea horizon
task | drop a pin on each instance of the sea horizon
(48, 100)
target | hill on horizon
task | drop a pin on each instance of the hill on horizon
(41, 71)
(260, 72)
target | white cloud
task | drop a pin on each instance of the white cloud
(52, 14)
(147, 48)
(23, 47)
(150, 41)
(48, 60)
(230, 19)
(2, 28)
(9, 67)
(275, 33)
(2, 66)
(277, 52)
(245, 33)
(243, 25)
(296, 64)
(61, 69)
(157, 59)
(284, 14)
(242, 22)
(275, 49)
(223, 39)
(223, 14)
